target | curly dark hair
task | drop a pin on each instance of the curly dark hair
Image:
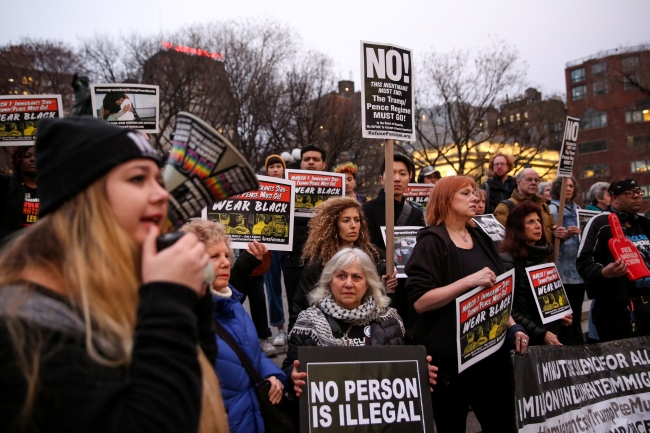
(556, 188)
(323, 241)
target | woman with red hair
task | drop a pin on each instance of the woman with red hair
(449, 259)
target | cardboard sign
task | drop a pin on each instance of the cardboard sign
(584, 216)
(568, 150)
(592, 388)
(203, 167)
(365, 389)
(482, 320)
(419, 192)
(388, 105)
(622, 248)
(404, 240)
(551, 298)
(133, 106)
(20, 115)
(313, 188)
(265, 215)
(489, 224)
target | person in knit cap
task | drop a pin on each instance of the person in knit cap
(275, 167)
(350, 171)
(76, 286)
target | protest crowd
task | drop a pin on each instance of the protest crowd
(102, 328)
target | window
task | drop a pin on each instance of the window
(592, 146)
(593, 119)
(630, 63)
(578, 92)
(518, 116)
(646, 188)
(642, 166)
(629, 80)
(498, 122)
(600, 87)
(525, 114)
(637, 115)
(638, 140)
(595, 170)
(598, 68)
(577, 75)
(512, 118)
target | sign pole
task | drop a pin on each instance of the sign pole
(560, 216)
(390, 211)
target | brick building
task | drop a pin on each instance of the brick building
(610, 93)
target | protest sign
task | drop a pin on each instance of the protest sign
(20, 115)
(551, 298)
(387, 99)
(313, 188)
(592, 388)
(265, 215)
(482, 320)
(404, 241)
(568, 150)
(584, 216)
(133, 106)
(203, 167)
(418, 192)
(623, 248)
(365, 389)
(489, 224)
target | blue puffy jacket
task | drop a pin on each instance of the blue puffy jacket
(237, 390)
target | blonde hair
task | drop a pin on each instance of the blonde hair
(83, 246)
(341, 260)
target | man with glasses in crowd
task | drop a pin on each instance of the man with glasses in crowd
(622, 307)
(527, 183)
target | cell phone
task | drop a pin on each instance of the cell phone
(167, 240)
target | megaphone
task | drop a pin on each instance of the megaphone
(203, 167)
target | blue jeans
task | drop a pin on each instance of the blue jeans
(273, 282)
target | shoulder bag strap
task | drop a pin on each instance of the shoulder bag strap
(406, 213)
(245, 360)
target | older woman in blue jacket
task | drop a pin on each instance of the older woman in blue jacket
(237, 388)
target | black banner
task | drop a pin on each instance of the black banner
(365, 389)
(593, 388)
(568, 151)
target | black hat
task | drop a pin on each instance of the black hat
(620, 186)
(73, 153)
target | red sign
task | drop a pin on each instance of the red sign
(622, 248)
(192, 51)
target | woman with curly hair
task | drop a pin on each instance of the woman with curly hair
(337, 223)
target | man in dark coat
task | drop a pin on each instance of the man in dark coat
(500, 186)
(19, 201)
(405, 214)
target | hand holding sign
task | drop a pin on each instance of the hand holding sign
(623, 249)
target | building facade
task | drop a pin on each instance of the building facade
(610, 93)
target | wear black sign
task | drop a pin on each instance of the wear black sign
(365, 389)
(594, 388)
(387, 92)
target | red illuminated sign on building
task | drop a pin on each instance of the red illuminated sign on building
(192, 51)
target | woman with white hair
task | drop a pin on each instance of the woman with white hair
(348, 308)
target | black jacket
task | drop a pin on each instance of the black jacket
(375, 213)
(497, 191)
(12, 198)
(524, 308)
(435, 262)
(300, 235)
(160, 391)
(594, 255)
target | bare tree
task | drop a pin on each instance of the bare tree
(457, 95)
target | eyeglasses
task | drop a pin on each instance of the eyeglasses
(633, 193)
(496, 164)
(531, 180)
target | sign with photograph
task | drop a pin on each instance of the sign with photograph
(404, 240)
(568, 150)
(314, 187)
(419, 192)
(482, 320)
(20, 115)
(489, 224)
(265, 215)
(365, 389)
(133, 106)
(388, 105)
(584, 216)
(601, 387)
(548, 290)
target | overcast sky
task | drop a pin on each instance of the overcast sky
(546, 33)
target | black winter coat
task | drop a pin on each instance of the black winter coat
(524, 307)
(497, 191)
